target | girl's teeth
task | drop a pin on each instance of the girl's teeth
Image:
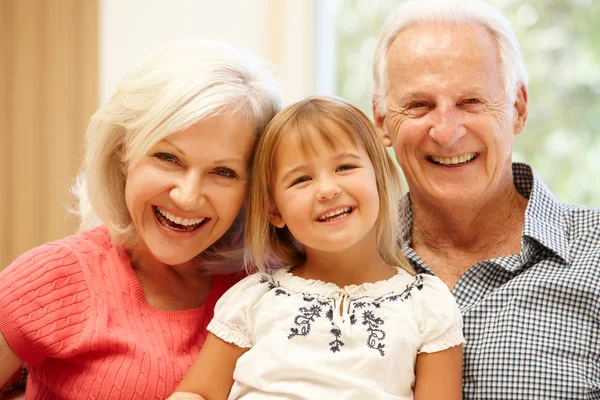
(339, 214)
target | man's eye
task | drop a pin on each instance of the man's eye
(418, 104)
(302, 179)
(472, 101)
(170, 158)
(226, 172)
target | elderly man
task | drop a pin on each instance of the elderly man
(450, 96)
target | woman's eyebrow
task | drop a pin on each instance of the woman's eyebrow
(174, 146)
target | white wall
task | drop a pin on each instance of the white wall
(281, 31)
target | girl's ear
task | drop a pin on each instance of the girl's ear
(275, 218)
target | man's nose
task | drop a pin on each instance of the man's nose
(447, 128)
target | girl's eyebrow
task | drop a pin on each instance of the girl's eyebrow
(339, 156)
(293, 171)
(347, 154)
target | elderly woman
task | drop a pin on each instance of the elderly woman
(120, 311)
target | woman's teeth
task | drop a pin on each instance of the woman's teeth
(171, 221)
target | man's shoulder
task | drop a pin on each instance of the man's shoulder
(582, 222)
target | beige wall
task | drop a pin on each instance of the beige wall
(61, 59)
(48, 87)
(281, 31)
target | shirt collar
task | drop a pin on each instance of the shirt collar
(544, 222)
(544, 216)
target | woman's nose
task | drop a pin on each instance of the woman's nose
(188, 194)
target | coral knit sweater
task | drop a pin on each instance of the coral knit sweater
(74, 312)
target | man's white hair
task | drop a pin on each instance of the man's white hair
(449, 12)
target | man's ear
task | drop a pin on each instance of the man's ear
(521, 109)
(380, 125)
(275, 218)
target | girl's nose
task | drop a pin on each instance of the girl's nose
(328, 191)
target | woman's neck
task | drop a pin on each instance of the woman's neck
(166, 287)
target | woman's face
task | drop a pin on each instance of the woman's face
(185, 193)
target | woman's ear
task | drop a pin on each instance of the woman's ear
(275, 218)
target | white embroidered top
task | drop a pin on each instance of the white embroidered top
(313, 340)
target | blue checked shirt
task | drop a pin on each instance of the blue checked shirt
(532, 320)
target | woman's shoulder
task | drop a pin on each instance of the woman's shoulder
(59, 258)
(89, 241)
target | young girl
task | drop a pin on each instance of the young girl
(335, 311)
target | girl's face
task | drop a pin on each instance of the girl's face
(328, 199)
(185, 193)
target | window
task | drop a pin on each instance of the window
(559, 40)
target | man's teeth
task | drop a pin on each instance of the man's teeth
(463, 158)
(179, 220)
(337, 213)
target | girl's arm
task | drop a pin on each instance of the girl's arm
(211, 375)
(439, 375)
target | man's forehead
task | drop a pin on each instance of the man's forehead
(434, 37)
(425, 52)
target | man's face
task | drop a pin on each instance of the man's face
(448, 117)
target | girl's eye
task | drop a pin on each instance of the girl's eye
(345, 167)
(226, 172)
(170, 158)
(300, 180)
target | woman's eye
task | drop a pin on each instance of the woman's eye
(345, 167)
(472, 101)
(226, 172)
(302, 179)
(170, 158)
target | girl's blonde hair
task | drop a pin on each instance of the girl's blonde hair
(268, 247)
(183, 83)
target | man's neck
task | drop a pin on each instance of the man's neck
(451, 238)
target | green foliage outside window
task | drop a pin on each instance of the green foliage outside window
(560, 42)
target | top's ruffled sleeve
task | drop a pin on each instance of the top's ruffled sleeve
(234, 317)
(438, 316)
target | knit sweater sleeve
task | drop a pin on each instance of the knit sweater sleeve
(44, 303)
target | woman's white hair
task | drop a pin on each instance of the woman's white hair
(449, 12)
(183, 83)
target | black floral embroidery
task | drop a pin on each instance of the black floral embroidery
(376, 335)
(316, 308)
(304, 320)
(336, 343)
